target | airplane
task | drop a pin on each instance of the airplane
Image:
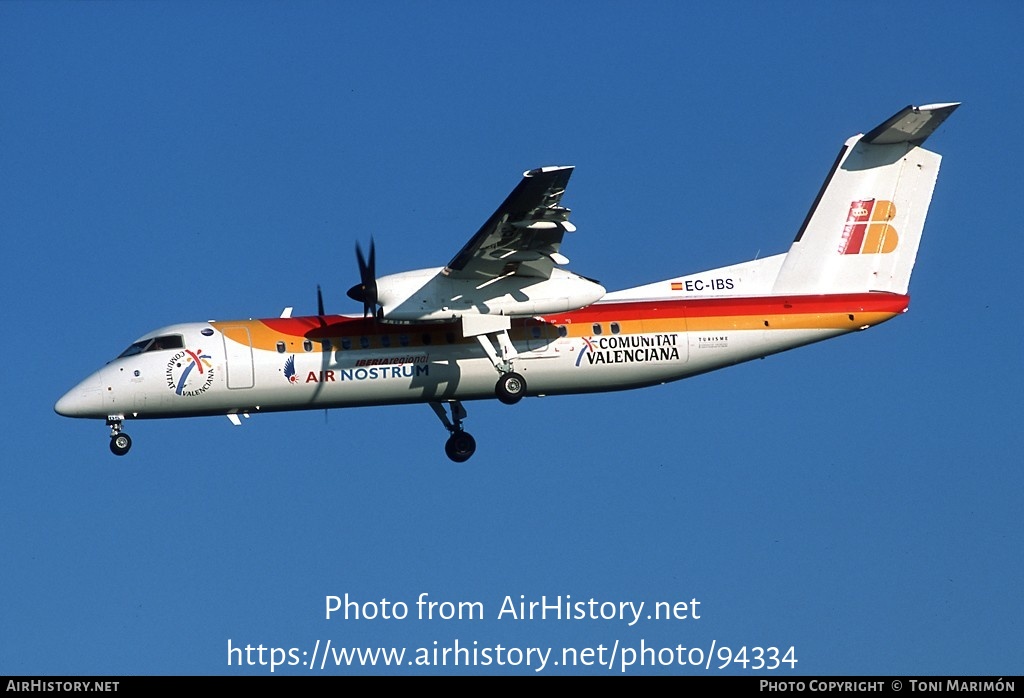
(504, 319)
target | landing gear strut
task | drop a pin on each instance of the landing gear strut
(120, 442)
(460, 446)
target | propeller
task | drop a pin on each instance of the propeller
(323, 323)
(366, 289)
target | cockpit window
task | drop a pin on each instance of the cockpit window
(167, 341)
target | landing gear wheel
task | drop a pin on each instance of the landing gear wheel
(120, 443)
(511, 388)
(460, 446)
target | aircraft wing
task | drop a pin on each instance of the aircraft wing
(524, 235)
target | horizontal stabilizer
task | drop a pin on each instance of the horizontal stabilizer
(910, 125)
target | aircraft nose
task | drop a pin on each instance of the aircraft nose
(84, 400)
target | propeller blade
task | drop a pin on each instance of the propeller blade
(366, 289)
(319, 301)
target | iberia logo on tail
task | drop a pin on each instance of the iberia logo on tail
(867, 229)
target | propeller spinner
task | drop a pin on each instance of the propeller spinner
(366, 289)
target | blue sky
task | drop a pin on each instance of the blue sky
(857, 500)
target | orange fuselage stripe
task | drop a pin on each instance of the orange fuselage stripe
(845, 311)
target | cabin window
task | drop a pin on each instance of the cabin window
(563, 331)
(280, 347)
(385, 340)
(364, 342)
(403, 339)
(307, 345)
(615, 328)
(346, 343)
(597, 328)
(426, 338)
(449, 337)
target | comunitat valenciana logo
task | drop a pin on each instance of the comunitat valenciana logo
(867, 229)
(189, 372)
(628, 349)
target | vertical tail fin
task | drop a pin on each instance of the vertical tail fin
(863, 230)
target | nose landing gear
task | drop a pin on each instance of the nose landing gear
(120, 443)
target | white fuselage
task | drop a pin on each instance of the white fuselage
(340, 361)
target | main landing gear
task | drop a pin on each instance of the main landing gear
(511, 388)
(492, 334)
(120, 443)
(460, 446)
(491, 331)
